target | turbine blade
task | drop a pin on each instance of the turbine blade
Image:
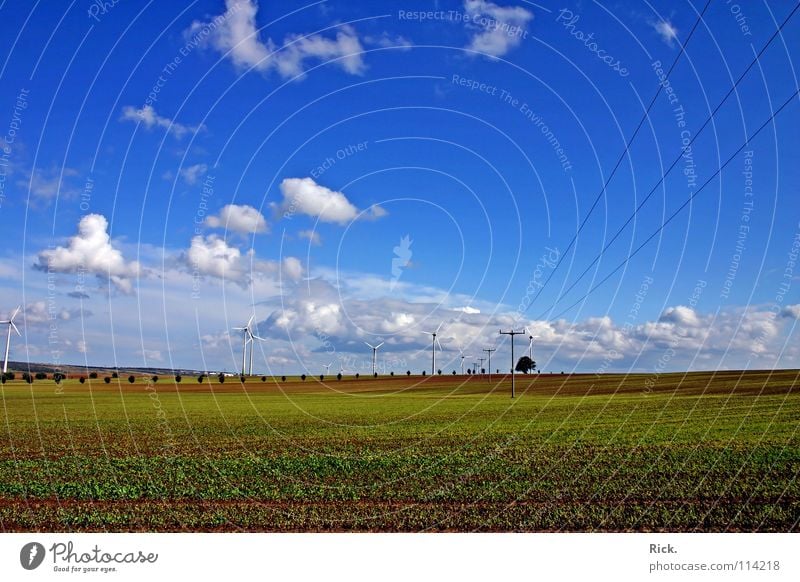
(373, 347)
(440, 327)
(13, 315)
(250, 321)
(379, 345)
(15, 328)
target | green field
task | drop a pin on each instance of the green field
(582, 453)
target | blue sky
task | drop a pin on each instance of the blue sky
(171, 169)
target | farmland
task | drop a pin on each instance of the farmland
(680, 452)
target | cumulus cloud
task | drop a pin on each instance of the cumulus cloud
(148, 117)
(497, 29)
(312, 235)
(305, 196)
(212, 256)
(681, 315)
(292, 268)
(666, 31)
(243, 219)
(236, 35)
(192, 174)
(791, 311)
(91, 251)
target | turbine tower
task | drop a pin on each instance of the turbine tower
(247, 337)
(530, 346)
(374, 354)
(10, 323)
(462, 361)
(434, 342)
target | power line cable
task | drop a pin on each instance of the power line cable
(681, 207)
(686, 148)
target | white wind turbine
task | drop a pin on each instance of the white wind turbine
(248, 337)
(462, 361)
(10, 323)
(374, 354)
(434, 342)
(327, 368)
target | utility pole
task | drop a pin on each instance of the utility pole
(481, 368)
(489, 351)
(512, 333)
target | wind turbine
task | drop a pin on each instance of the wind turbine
(462, 361)
(374, 354)
(530, 346)
(327, 368)
(434, 341)
(10, 323)
(252, 349)
(247, 337)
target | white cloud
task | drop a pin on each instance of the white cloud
(791, 311)
(498, 29)
(46, 184)
(236, 35)
(305, 196)
(91, 251)
(243, 219)
(38, 312)
(666, 31)
(681, 315)
(385, 40)
(312, 235)
(212, 256)
(149, 118)
(192, 174)
(292, 268)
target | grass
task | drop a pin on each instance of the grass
(582, 453)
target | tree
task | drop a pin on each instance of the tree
(93, 375)
(114, 375)
(283, 378)
(107, 379)
(375, 375)
(408, 372)
(525, 365)
(303, 377)
(454, 372)
(339, 376)
(221, 378)
(58, 377)
(27, 377)
(41, 376)
(263, 378)
(391, 373)
(154, 379)
(424, 372)
(439, 372)
(9, 376)
(241, 378)
(322, 377)
(358, 375)
(201, 378)
(82, 379)
(131, 379)
(178, 378)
